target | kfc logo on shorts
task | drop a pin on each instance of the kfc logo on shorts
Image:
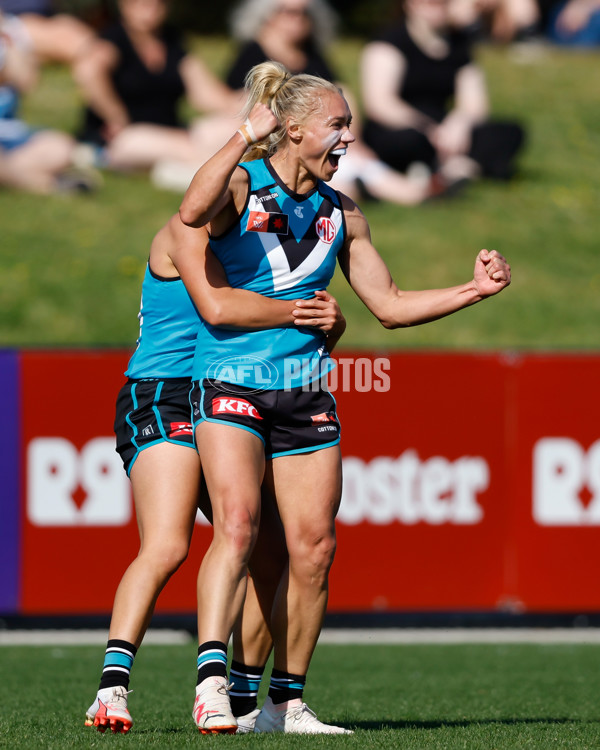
(324, 417)
(234, 406)
(181, 428)
(326, 229)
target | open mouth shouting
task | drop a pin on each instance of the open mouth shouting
(334, 156)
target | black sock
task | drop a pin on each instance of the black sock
(212, 660)
(246, 682)
(285, 686)
(118, 661)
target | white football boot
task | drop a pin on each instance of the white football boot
(109, 711)
(293, 717)
(212, 708)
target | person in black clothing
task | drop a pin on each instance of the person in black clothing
(426, 100)
(133, 80)
(293, 32)
(296, 33)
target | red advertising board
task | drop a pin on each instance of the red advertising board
(79, 530)
(554, 560)
(423, 489)
(471, 482)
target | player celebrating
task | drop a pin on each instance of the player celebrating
(278, 229)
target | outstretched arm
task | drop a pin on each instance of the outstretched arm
(394, 308)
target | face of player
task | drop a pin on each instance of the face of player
(144, 16)
(326, 136)
(291, 21)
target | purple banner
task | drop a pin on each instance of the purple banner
(10, 446)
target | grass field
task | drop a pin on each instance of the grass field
(71, 267)
(443, 697)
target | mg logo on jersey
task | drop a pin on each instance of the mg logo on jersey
(67, 487)
(566, 483)
(234, 406)
(325, 229)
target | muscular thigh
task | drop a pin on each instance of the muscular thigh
(308, 488)
(165, 481)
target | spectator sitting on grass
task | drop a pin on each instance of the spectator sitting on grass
(133, 79)
(426, 99)
(296, 34)
(502, 20)
(38, 161)
(54, 37)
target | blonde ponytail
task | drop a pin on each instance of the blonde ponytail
(287, 95)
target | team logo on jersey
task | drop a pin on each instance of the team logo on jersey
(181, 428)
(234, 406)
(298, 211)
(261, 221)
(326, 229)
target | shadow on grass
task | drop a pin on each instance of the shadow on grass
(438, 724)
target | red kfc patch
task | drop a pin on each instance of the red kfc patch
(181, 428)
(238, 406)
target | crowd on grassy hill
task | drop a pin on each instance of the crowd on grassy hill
(427, 126)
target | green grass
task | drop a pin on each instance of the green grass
(71, 267)
(440, 697)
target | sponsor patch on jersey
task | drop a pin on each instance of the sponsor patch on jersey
(324, 417)
(234, 406)
(181, 428)
(261, 221)
(325, 229)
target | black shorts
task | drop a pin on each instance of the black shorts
(287, 421)
(150, 412)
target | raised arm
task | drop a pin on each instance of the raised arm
(394, 308)
(218, 189)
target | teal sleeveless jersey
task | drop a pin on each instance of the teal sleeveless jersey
(168, 327)
(285, 246)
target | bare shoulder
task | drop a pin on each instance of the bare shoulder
(356, 222)
(163, 247)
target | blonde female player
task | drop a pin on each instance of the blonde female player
(278, 229)
(155, 439)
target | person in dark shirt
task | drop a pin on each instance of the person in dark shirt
(133, 80)
(296, 33)
(426, 99)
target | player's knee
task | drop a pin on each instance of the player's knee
(313, 556)
(238, 532)
(165, 557)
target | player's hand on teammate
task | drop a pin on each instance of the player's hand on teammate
(492, 273)
(321, 311)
